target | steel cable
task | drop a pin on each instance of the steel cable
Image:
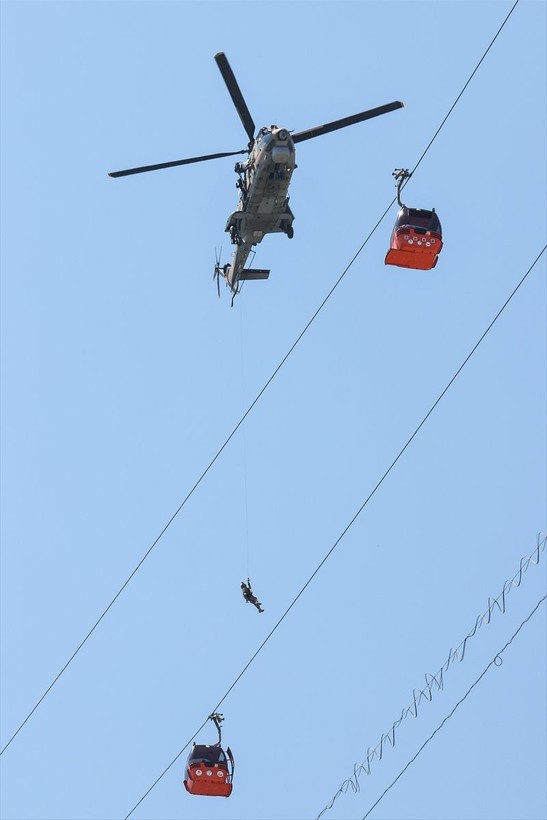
(435, 680)
(493, 662)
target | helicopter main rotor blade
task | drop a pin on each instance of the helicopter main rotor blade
(144, 168)
(310, 133)
(236, 95)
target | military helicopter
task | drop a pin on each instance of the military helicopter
(263, 180)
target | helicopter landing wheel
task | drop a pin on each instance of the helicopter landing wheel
(290, 231)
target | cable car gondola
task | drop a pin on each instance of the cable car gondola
(416, 239)
(210, 770)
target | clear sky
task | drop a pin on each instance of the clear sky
(123, 375)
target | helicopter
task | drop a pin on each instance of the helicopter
(263, 180)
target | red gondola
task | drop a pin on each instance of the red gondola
(209, 770)
(416, 239)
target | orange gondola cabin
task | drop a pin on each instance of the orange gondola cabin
(209, 770)
(416, 239)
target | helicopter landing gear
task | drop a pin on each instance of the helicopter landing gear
(285, 225)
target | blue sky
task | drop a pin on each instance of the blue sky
(123, 374)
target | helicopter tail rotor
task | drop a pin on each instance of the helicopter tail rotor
(221, 270)
(218, 270)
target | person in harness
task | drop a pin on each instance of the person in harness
(248, 594)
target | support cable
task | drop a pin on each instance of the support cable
(436, 680)
(496, 661)
(251, 406)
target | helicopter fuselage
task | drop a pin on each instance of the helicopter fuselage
(263, 207)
